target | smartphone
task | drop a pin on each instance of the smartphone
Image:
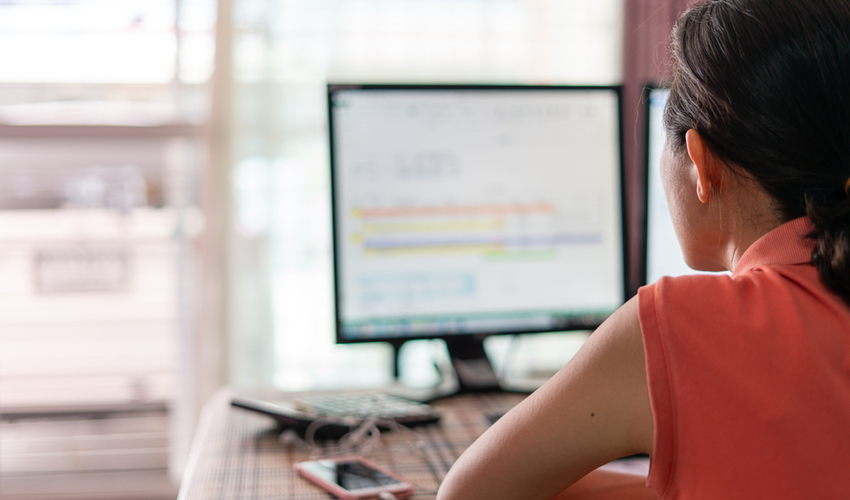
(353, 478)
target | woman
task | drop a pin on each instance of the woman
(736, 386)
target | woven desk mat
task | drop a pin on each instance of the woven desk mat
(243, 456)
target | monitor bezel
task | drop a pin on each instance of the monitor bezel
(332, 88)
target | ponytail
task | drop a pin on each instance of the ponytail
(832, 242)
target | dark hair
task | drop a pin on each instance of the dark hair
(766, 83)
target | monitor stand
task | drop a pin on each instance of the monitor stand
(473, 369)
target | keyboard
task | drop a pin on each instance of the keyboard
(362, 406)
(341, 413)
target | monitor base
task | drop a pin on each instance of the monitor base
(472, 369)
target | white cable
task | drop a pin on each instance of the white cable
(364, 437)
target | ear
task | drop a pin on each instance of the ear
(704, 163)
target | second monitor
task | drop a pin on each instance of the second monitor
(466, 211)
(663, 254)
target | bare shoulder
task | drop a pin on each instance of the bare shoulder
(594, 410)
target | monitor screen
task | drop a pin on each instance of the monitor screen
(475, 210)
(663, 252)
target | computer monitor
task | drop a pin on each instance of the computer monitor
(663, 252)
(466, 211)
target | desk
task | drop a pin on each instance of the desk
(238, 454)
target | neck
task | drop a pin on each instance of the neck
(748, 214)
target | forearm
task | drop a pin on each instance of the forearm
(599, 484)
(505, 465)
(607, 485)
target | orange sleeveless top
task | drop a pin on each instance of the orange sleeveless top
(749, 378)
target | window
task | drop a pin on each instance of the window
(102, 109)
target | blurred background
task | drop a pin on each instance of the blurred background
(165, 213)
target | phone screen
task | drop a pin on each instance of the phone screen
(350, 475)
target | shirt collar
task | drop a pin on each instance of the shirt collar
(787, 244)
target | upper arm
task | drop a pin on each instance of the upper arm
(594, 410)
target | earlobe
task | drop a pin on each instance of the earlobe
(703, 192)
(700, 157)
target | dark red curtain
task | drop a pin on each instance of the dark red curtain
(647, 28)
